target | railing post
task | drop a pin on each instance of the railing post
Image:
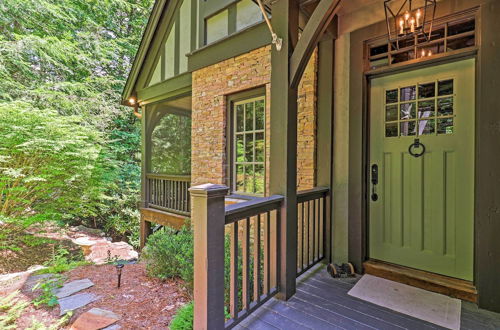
(208, 218)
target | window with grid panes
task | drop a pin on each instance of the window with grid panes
(422, 109)
(248, 156)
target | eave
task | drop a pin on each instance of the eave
(147, 38)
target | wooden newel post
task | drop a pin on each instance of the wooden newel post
(208, 218)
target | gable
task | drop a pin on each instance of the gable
(174, 39)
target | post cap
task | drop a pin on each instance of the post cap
(209, 190)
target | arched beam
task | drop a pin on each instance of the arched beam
(315, 27)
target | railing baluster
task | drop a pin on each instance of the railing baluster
(313, 241)
(302, 243)
(245, 247)
(256, 259)
(314, 232)
(267, 253)
(233, 288)
(308, 255)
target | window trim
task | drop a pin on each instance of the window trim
(231, 8)
(233, 99)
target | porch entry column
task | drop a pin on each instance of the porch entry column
(287, 67)
(283, 155)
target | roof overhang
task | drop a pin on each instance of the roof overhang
(147, 38)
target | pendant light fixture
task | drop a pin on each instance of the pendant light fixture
(408, 20)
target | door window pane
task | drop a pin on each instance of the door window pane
(391, 130)
(445, 126)
(391, 112)
(426, 126)
(426, 109)
(445, 106)
(391, 96)
(407, 111)
(426, 90)
(408, 128)
(445, 87)
(408, 93)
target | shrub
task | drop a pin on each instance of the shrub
(62, 261)
(183, 319)
(169, 254)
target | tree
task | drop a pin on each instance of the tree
(71, 57)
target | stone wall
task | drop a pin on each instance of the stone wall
(210, 88)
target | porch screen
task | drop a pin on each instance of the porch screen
(248, 146)
(171, 145)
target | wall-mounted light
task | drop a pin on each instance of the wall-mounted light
(409, 21)
(132, 101)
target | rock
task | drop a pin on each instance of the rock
(113, 327)
(76, 301)
(120, 250)
(73, 287)
(95, 319)
(105, 313)
(34, 279)
(86, 230)
(15, 281)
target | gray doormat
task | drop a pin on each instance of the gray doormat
(421, 304)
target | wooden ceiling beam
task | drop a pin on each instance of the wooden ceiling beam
(312, 33)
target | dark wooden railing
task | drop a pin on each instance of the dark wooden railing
(254, 230)
(169, 193)
(313, 229)
(240, 250)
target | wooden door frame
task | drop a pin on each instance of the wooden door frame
(456, 58)
(486, 177)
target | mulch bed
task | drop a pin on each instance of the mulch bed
(142, 302)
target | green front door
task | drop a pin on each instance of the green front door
(421, 207)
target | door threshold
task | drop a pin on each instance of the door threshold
(453, 287)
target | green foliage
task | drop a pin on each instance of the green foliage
(11, 309)
(47, 162)
(47, 287)
(14, 238)
(171, 145)
(169, 254)
(69, 151)
(183, 319)
(62, 261)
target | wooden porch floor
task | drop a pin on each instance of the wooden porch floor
(322, 302)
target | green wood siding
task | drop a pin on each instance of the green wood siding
(171, 60)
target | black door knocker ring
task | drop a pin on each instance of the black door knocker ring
(416, 145)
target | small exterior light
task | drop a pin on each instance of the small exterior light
(119, 268)
(131, 101)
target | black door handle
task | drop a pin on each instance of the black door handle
(374, 172)
(416, 145)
